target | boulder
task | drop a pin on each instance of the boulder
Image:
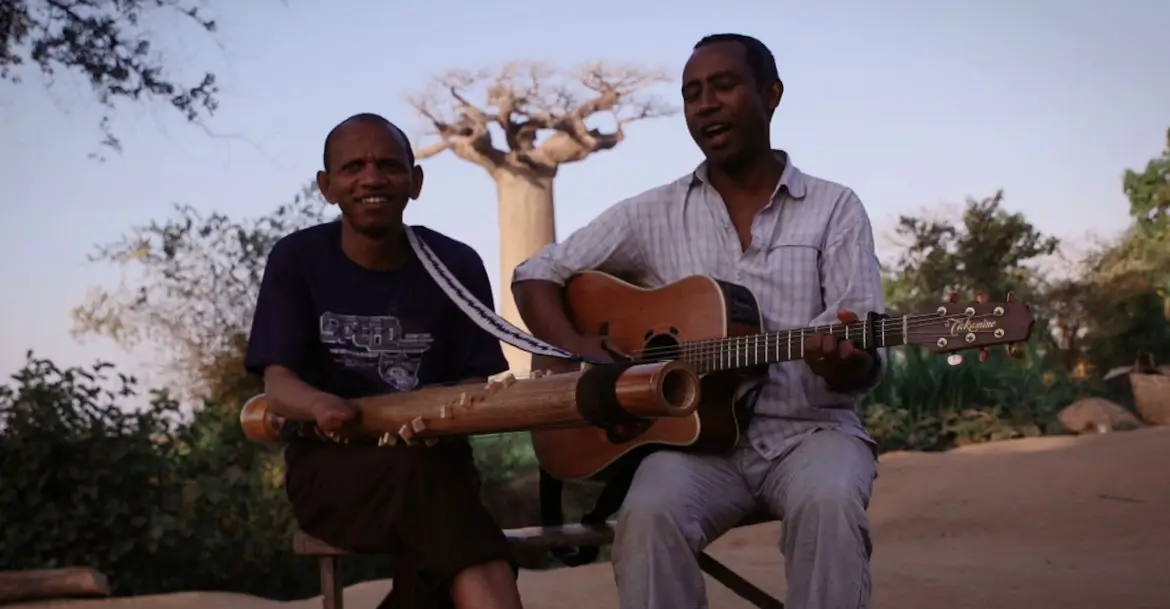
(1096, 415)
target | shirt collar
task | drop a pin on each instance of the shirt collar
(792, 180)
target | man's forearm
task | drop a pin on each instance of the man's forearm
(289, 396)
(541, 306)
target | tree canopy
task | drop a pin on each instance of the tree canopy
(523, 99)
(107, 42)
(991, 250)
(192, 290)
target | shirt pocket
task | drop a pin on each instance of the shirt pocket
(793, 264)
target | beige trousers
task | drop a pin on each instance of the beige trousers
(678, 503)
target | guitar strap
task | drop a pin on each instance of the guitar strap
(476, 310)
(551, 489)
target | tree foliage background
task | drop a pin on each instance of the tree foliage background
(108, 44)
(162, 498)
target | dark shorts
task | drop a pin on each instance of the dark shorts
(419, 504)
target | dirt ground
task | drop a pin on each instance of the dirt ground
(1068, 522)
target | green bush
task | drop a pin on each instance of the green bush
(924, 403)
(157, 501)
(503, 457)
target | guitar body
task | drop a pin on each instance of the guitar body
(634, 320)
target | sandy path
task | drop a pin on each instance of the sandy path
(1074, 523)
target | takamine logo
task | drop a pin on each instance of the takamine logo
(966, 324)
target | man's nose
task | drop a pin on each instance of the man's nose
(370, 176)
(708, 102)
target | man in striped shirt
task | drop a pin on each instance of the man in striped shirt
(805, 247)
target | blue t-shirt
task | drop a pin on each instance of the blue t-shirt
(355, 332)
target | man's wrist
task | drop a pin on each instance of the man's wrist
(860, 377)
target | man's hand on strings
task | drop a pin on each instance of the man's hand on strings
(838, 361)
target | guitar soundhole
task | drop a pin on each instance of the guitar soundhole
(660, 347)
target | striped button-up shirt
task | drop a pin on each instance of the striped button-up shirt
(811, 254)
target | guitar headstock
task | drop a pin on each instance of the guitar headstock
(950, 327)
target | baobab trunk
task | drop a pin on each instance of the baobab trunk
(526, 225)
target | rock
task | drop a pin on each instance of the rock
(1096, 415)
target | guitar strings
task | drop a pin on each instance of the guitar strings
(709, 348)
(718, 346)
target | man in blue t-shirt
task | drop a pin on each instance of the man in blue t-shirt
(346, 310)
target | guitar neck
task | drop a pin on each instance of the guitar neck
(738, 352)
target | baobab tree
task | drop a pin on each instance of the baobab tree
(524, 100)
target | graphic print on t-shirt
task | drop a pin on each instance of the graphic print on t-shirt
(375, 343)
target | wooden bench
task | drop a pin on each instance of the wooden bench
(541, 538)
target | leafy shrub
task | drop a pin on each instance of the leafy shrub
(924, 403)
(157, 501)
(503, 457)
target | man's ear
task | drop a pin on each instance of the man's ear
(416, 180)
(323, 185)
(772, 95)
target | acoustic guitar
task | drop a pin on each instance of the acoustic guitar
(716, 328)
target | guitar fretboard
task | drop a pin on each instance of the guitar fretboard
(785, 345)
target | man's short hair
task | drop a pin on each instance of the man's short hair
(370, 117)
(759, 57)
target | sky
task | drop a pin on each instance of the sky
(913, 104)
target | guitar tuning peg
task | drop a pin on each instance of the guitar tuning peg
(955, 359)
(1011, 297)
(954, 297)
(983, 355)
(982, 297)
(1013, 350)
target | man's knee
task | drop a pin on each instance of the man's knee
(498, 570)
(647, 513)
(832, 470)
(829, 497)
(667, 502)
(829, 500)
